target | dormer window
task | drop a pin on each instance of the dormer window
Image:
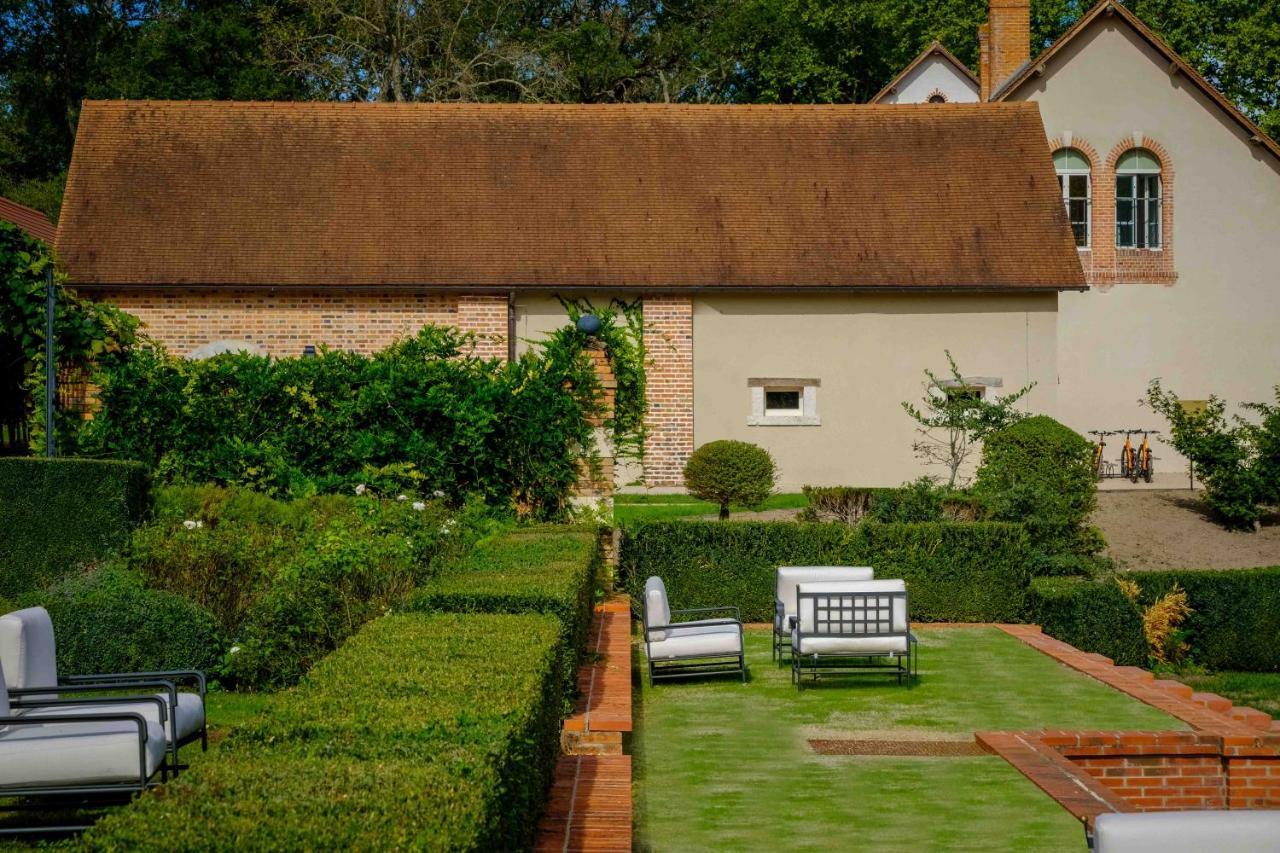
(1138, 200)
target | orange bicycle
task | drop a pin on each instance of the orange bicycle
(1128, 457)
(1102, 469)
(1145, 467)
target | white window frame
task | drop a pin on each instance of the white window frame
(1133, 175)
(1064, 187)
(806, 415)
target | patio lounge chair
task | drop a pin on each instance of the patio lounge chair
(788, 578)
(688, 649)
(28, 656)
(850, 627)
(1226, 831)
(79, 759)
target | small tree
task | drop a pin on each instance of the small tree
(954, 418)
(730, 472)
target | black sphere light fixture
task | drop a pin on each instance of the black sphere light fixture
(589, 324)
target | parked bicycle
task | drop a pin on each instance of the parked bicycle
(1102, 469)
(1136, 461)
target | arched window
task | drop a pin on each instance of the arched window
(1074, 184)
(937, 97)
(1138, 196)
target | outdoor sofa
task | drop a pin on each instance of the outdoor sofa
(1224, 831)
(693, 648)
(785, 583)
(28, 655)
(852, 627)
(77, 759)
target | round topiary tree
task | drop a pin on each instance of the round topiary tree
(726, 472)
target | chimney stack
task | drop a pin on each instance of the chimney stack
(1004, 43)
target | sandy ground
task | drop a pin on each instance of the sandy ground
(1173, 530)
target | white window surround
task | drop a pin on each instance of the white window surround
(807, 415)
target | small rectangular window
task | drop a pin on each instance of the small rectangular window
(782, 402)
(972, 393)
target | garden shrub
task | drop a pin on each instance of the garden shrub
(1040, 473)
(544, 570)
(106, 620)
(422, 412)
(1234, 622)
(972, 572)
(730, 472)
(57, 514)
(422, 732)
(920, 500)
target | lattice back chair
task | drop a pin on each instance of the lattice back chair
(850, 627)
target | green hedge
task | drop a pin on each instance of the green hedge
(59, 513)
(539, 570)
(1235, 623)
(422, 732)
(966, 572)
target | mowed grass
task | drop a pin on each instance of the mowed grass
(724, 766)
(666, 507)
(1260, 690)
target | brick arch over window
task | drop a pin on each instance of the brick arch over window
(1111, 265)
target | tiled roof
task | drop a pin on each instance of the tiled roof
(28, 219)
(511, 196)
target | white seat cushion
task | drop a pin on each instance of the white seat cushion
(27, 651)
(657, 610)
(1235, 831)
(697, 641)
(848, 645)
(189, 719)
(789, 577)
(76, 753)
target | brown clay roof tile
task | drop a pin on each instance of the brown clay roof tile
(28, 219)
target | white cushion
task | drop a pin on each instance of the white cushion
(27, 651)
(76, 753)
(790, 576)
(697, 641)
(1235, 831)
(189, 718)
(843, 645)
(852, 597)
(4, 695)
(657, 611)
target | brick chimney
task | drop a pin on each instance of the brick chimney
(1004, 43)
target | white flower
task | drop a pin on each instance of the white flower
(402, 497)
(419, 506)
(235, 649)
(437, 494)
(360, 489)
(192, 525)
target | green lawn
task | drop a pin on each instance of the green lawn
(1260, 690)
(724, 766)
(666, 507)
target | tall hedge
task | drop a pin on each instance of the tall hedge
(1234, 624)
(56, 514)
(421, 733)
(965, 572)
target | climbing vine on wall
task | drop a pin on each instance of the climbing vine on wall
(622, 335)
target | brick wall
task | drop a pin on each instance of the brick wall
(1009, 39)
(282, 322)
(668, 342)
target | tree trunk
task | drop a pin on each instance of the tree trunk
(724, 512)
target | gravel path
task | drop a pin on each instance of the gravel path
(1173, 530)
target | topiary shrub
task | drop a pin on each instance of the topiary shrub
(106, 620)
(730, 472)
(1041, 473)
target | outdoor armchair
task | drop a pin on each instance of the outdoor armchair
(850, 627)
(684, 649)
(77, 758)
(786, 581)
(1225, 831)
(28, 654)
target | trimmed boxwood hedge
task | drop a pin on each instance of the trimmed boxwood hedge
(422, 732)
(538, 570)
(1235, 623)
(59, 513)
(964, 572)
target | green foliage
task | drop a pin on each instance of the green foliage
(1234, 623)
(920, 500)
(540, 570)
(422, 732)
(730, 472)
(1237, 460)
(1040, 473)
(107, 621)
(421, 413)
(974, 572)
(57, 514)
(954, 417)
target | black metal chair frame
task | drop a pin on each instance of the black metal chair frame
(79, 796)
(166, 680)
(692, 666)
(868, 618)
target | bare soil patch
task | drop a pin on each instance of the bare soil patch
(1174, 530)
(939, 748)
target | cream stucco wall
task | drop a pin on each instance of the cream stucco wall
(1217, 329)
(869, 351)
(935, 74)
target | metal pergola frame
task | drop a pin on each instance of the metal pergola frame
(855, 615)
(693, 666)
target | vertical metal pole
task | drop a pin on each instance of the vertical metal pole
(50, 366)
